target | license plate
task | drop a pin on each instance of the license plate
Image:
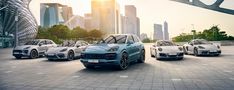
(172, 53)
(93, 61)
(16, 53)
(213, 51)
(50, 54)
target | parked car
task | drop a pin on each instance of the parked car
(166, 50)
(69, 50)
(116, 50)
(201, 47)
(33, 48)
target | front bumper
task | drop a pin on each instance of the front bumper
(56, 56)
(170, 56)
(21, 53)
(209, 52)
(100, 59)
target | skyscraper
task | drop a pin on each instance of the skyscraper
(158, 33)
(54, 13)
(131, 23)
(106, 16)
(165, 31)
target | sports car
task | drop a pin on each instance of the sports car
(117, 50)
(69, 50)
(166, 50)
(201, 47)
(33, 48)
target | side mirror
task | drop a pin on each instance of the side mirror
(130, 42)
(191, 44)
(154, 45)
(40, 44)
(78, 46)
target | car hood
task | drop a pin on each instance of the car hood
(209, 46)
(23, 46)
(99, 48)
(56, 49)
(169, 49)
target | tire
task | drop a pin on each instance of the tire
(34, 54)
(217, 55)
(70, 56)
(142, 57)
(18, 57)
(123, 62)
(195, 52)
(151, 53)
(180, 58)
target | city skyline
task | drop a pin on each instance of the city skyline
(180, 16)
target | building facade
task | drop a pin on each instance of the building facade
(130, 22)
(165, 31)
(158, 33)
(54, 13)
(17, 24)
(106, 16)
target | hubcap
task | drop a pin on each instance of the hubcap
(34, 54)
(70, 56)
(124, 63)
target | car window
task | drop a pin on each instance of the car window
(43, 42)
(130, 38)
(119, 39)
(33, 42)
(48, 42)
(136, 38)
(165, 43)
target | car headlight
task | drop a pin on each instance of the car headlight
(160, 49)
(201, 47)
(63, 50)
(26, 47)
(180, 48)
(112, 49)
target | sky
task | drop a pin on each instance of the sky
(181, 18)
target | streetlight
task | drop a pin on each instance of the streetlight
(194, 31)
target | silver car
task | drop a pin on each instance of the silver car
(33, 48)
(69, 50)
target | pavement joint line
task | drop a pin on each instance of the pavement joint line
(123, 76)
(228, 71)
(231, 78)
(75, 76)
(8, 71)
(176, 79)
(40, 73)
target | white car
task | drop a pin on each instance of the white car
(69, 50)
(201, 47)
(33, 48)
(166, 50)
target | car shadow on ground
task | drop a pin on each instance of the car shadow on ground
(111, 69)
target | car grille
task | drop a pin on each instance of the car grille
(19, 51)
(108, 56)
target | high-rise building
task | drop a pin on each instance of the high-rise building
(165, 31)
(143, 36)
(88, 21)
(75, 21)
(158, 33)
(106, 16)
(54, 13)
(131, 23)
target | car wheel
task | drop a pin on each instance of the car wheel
(142, 57)
(33, 54)
(70, 55)
(151, 53)
(180, 58)
(123, 62)
(195, 52)
(18, 57)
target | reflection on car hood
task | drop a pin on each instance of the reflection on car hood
(23, 46)
(208, 46)
(56, 49)
(99, 48)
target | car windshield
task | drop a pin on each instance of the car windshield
(166, 43)
(33, 42)
(201, 42)
(114, 39)
(68, 44)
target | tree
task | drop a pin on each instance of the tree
(95, 34)
(147, 40)
(79, 33)
(60, 31)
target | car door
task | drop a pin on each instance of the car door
(190, 46)
(130, 47)
(49, 44)
(137, 46)
(42, 47)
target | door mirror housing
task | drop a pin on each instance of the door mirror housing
(40, 44)
(130, 42)
(154, 45)
(77, 46)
